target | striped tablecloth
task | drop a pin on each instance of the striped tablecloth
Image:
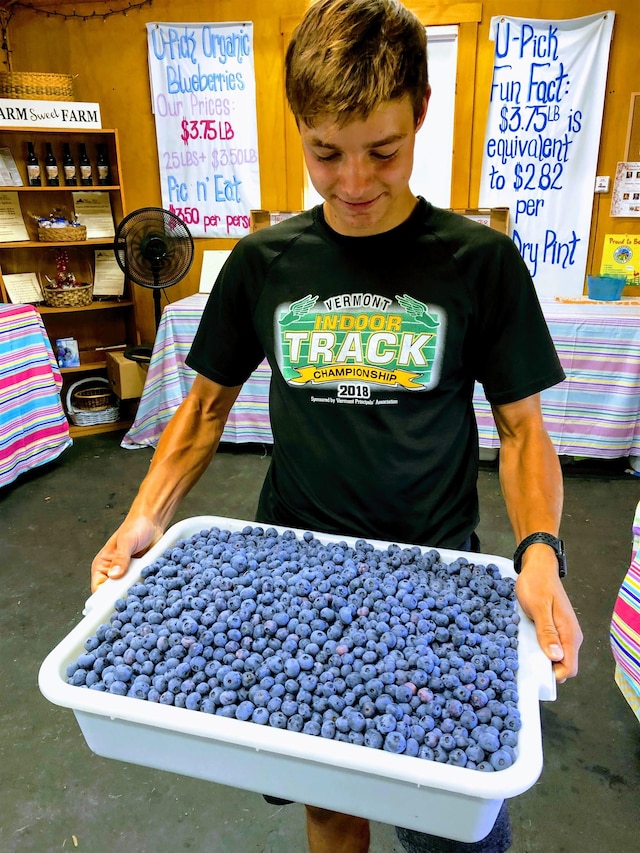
(33, 426)
(594, 412)
(169, 380)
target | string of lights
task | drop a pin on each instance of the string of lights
(51, 12)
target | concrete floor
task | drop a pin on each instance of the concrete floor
(55, 794)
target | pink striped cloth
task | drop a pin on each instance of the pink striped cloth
(33, 425)
(625, 627)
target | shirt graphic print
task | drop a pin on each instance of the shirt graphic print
(354, 345)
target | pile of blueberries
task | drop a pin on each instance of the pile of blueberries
(389, 648)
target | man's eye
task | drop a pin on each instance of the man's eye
(327, 158)
(378, 155)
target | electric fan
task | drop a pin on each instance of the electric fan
(154, 248)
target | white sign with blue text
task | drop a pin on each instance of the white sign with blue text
(204, 100)
(542, 140)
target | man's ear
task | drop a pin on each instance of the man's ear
(423, 110)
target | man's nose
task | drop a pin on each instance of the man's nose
(355, 177)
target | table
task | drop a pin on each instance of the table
(169, 380)
(594, 412)
(33, 426)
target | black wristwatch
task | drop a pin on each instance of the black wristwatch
(546, 539)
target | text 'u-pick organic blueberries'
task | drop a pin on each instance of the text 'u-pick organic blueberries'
(389, 648)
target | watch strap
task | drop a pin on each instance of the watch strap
(546, 539)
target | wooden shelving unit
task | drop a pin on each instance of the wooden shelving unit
(106, 323)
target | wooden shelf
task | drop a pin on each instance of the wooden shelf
(85, 367)
(46, 244)
(80, 431)
(95, 306)
(72, 188)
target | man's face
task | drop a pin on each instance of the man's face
(362, 169)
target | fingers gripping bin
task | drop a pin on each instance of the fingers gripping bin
(441, 799)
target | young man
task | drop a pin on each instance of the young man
(377, 312)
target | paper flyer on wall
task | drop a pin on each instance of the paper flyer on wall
(621, 256)
(625, 199)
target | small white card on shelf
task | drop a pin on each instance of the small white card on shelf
(12, 227)
(108, 277)
(23, 287)
(93, 210)
(9, 169)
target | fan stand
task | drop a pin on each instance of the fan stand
(155, 252)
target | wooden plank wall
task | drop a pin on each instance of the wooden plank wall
(108, 57)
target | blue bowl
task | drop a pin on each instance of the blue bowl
(605, 288)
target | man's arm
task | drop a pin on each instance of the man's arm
(531, 482)
(186, 447)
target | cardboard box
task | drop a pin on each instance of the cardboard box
(494, 217)
(126, 377)
(264, 218)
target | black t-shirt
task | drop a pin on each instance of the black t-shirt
(374, 345)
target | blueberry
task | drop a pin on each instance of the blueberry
(245, 710)
(500, 759)
(394, 742)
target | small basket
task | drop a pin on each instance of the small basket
(73, 297)
(38, 86)
(605, 288)
(94, 404)
(63, 234)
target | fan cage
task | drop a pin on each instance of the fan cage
(153, 247)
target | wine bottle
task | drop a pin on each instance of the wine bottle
(51, 167)
(33, 167)
(103, 166)
(86, 172)
(69, 166)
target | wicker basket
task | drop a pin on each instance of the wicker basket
(64, 234)
(93, 405)
(36, 86)
(73, 297)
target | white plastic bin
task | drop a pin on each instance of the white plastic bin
(441, 799)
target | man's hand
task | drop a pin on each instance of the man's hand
(544, 600)
(132, 539)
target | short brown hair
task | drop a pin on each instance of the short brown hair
(346, 57)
